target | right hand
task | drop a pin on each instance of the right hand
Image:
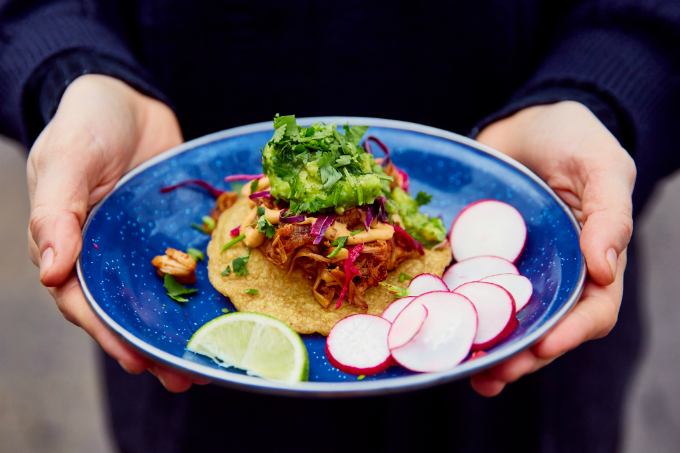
(102, 129)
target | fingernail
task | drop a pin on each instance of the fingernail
(46, 261)
(612, 259)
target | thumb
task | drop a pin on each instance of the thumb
(607, 214)
(59, 209)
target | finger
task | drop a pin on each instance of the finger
(593, 317)
(607, 214)
(59, 204)
(493, 380)
(72, 304)
(486, 384)
(172, 380)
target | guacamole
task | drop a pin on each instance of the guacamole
(319, 169)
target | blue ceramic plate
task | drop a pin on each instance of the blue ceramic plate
(135, 222)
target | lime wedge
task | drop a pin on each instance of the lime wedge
(262, 345)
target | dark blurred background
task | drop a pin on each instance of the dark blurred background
(50, 398)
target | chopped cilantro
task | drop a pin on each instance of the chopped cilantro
(395, 290)
(265, 226)
(253, 186)
(385, 177)
(354, 233)
(329, 176)
(403, 277)
(336, 195)
(195, 254)
(422, 198)
(198, 227)
(252, 291)
(208, 222)
(360, 194)
(238, 238)
(260, 210)
(343, 160)
(176, 290)
(226, 272)
(240, 265)
(279, 133)
(340, 243)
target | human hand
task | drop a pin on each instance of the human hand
(101, 130)
(571, 150)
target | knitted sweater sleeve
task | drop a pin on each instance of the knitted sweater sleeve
(74, 37)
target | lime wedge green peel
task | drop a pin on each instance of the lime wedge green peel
(260, 344)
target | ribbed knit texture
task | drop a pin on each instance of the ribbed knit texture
(32, 39)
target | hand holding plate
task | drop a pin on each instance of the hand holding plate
(567, 146)
(102, 129)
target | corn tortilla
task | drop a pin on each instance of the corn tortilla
(290, 299)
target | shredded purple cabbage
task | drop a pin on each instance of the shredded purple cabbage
(199, 182)
(262, 194)
(291, 219)
(402, 232)
(320, 226)
(243, 177)
(386, 150)
(368, 219)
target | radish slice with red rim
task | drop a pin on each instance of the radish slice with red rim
(488, 227)
(357, 345)
(393, 309)
(407, 325)
(518, 286)
(426, 283)
(445, 338)
(475, 269)
(495, 309)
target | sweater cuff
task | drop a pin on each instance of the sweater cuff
(49, 82)
(35, 40)
(606, 113)
(625, 71)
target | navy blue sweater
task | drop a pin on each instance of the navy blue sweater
(454, 65)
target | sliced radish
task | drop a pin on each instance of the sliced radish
(426, 283)
(495, 309)
(488, 227)
(445, 338)
(475, 269)
(476, 355)
(393, 309)
(406, 326)
(519, 287)
(357, 344)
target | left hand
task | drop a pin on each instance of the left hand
(567, 146)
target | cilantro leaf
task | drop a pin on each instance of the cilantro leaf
(265, 226)
(279, 133)
(329, 176)
(176, 290)
(252, 291)
(283, 173)
(343, 160)
(292, 130)
(340, 244)
(196, 254)
(226, 272)
(260, 210)
(422, 198)
(240, 265)
(253, 186)
(354, 133)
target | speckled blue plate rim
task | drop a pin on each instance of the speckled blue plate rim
(335, 389)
